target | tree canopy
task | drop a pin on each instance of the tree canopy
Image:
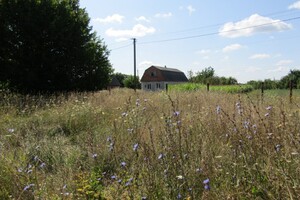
(48, 45)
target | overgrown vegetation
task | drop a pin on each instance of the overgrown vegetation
(126, 145)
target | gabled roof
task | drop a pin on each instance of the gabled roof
(163, 74)
(114, 82)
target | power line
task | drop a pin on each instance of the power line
(121, 47)
(218, 32)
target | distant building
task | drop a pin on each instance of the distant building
(114, 83)
(158, 78)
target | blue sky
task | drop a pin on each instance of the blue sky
(248, 40)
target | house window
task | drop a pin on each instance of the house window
(153, 73)
(149, 86)
(158, 85)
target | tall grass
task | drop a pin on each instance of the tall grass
(144, 145)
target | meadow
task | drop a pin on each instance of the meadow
(149, 145)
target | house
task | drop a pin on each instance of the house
(114, 83)
(158, 78)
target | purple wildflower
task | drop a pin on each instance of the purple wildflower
(113, 177)
(267, 114)
(27, 187)
(42, 165)
(144, 198)
(179, 196)
(218, 110)
(123, 164)
(269, 108)
(206, 187)
(94, 155)
(176, 113)
(11, 130)
(206, 181)
(135, 147)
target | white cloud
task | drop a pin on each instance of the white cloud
(284, 62)
(121, 39)
(191, 9)
(163, 15)
(279, 69)
(203, 51)
(137, 31)
(260, 56)
(252, 25)
(142, 18)
(232, 47)
(115, 18)
(295, 5)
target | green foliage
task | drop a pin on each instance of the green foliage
(129, 82)
(207, 75)
(47, 45)
(216, 88)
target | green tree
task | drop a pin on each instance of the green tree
(48, 45)
(293, 76)
(129, 82)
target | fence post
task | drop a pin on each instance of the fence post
(262, 90)
(207, 87)
(291, 90)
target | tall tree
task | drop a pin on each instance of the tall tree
(48, 45)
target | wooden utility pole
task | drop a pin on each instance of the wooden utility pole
(134, 62)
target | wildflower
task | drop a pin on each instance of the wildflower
(267, 114)
(124, 114)
(130, 130)
(144, 198)
(11, 130)
(65, 186)
(128, 182)
(29, 171)
(206, 181)
(179, 177)
(94, 155)
(206, 184)
(198, 170)
(113, 177)
(123, 164)
(160, 156)
(108, 139)
(176, 113)
(42, 165)
(135, 147)
(269, 108)
(179, 196)
(277, 147)
(36, 158)
(27, 187)
(218, 110)
(120, 181)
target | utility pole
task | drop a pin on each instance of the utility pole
(134, 62)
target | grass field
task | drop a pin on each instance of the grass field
(150, 145)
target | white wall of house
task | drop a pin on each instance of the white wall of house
(156, 86)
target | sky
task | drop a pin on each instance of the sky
(247, 40)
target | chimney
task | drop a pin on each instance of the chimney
(165, 66)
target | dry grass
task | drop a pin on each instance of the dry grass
(127, 145)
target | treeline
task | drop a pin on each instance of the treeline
(127, 80)
(207, 75)
(292, 79)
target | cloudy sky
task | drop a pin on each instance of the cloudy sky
(249, 39)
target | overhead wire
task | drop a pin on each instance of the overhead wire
(218, 32)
